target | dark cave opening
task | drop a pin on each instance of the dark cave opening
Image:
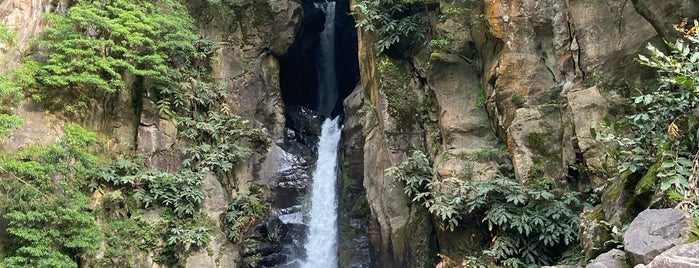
(300, 69)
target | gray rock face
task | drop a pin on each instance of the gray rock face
(682, 256)
(611, 259)
(654, 231)
(587, 110)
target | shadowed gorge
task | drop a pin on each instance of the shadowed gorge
(299, 68)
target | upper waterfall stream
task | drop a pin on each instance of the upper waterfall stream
(327, 78)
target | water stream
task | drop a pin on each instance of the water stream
(327, 78)
(321, 244)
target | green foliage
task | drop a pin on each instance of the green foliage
(394, 22)
(529, 224)
(242, 213)
(8, 123)
(46, 213)
(663, 127)
(10, 92)
(416, 172)
(7, 37)
(126, 240)
(403, 103)
(181, 191)
(97, 42)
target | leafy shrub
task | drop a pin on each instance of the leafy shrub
(242, 213)
(529, 224)
(126, 240)
(393, 21)
(47, 217)
(96, 42)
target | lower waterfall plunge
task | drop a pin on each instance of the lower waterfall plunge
(321, 244)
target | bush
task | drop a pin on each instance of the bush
(96, 42)
(529, 224)
(242, 213)
(47, 217)
(393, 21)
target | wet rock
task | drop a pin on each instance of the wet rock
(611, 259)
(682, 256)
(654, 231)
(305, 123)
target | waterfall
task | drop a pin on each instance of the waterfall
(327, 81)
(321, 245)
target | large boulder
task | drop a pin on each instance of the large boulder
(654, 231)
(682, 256)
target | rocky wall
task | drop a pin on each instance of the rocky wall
(546, 69)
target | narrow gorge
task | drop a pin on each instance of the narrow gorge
(349, 133)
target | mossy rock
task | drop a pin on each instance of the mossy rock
(647, 182)
(619, 202)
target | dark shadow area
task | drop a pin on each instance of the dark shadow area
(299, 70)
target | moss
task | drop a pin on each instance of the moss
(361, 207)
(518, 101)
(694, 233)
(596, 214)
(403, 102)
(647, 182)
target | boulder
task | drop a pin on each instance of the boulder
(654, 231)
(611, 259)
(682, 256)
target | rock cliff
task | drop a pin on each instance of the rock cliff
(514, 72)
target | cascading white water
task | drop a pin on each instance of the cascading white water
(321, 245)
(327, 81)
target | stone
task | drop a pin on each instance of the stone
(593, 234)
(654, 231)
(532, 140)
(219, 253)
(155, 134)
(611, 259)
(662, 14)
(39, 128)
(615, 198)
(587, 110)
(610, 34)
(214, 202)
(681, 256)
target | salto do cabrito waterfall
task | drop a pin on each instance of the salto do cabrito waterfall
(321, 244)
